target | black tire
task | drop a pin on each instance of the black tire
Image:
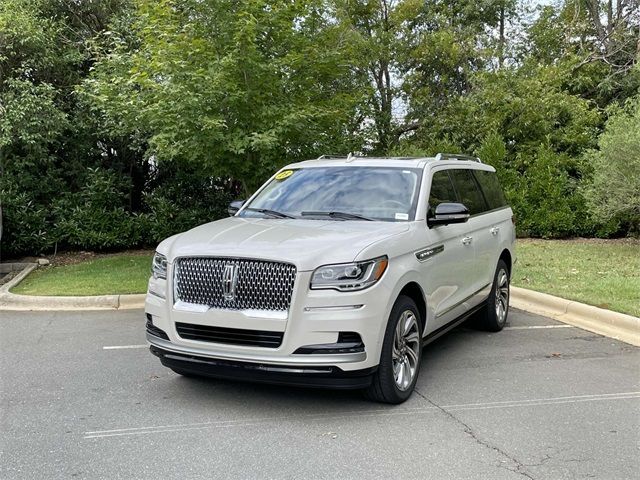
(491, 317)
(384, 387)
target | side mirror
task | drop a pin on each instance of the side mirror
(449, 213)
(234, 206)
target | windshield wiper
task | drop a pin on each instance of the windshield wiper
(273, 213)
(343, 215)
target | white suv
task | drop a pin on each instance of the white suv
(336, 273)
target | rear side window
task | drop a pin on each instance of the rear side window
(468, 190)
(491, 187)
(442, 191)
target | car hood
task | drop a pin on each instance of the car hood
(305, 243)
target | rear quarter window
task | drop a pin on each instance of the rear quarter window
(491, 188)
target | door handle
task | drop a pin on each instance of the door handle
(494, 230)
(467, 240)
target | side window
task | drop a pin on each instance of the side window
(442, 191)
(491, 187)
(468, 191)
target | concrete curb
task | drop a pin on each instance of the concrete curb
(625, 328)
(13, 301)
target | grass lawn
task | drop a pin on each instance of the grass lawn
(598, 272)
(112, 274)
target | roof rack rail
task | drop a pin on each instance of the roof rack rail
(351, 157)
(331, 156)
(457, 156)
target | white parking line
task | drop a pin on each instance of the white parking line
(124, 347)
(533, 327)
(119, 432)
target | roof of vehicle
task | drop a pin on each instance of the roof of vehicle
(407, 162)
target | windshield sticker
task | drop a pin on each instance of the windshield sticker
(402, 216)
(284, 174)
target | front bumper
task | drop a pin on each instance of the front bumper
(219, 353)
(315, 318)
(302, 375)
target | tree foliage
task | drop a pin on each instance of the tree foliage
(234, 85)
(613, 192)
(123, 121)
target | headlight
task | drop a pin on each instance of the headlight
(159, 266)
(348, 277)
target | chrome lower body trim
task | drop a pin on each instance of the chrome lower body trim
(318, 360)
(333, 308)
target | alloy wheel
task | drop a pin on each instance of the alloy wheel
(406, 350)
(502, 296)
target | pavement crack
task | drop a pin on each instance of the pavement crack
(519, 466)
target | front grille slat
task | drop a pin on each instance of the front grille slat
(232, 336)
(261, 285)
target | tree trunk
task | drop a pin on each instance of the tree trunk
(501, 42)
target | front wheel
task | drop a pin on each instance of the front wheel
(494, 316)
(401, 355)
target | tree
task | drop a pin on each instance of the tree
(46, 137)
(597, 41)
(613, 192)
(241, 87)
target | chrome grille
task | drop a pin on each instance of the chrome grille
(260, 284)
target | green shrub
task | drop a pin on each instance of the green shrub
(25, 225)
(184, 198)
(96, 218)
(613, 192)
(543, 190)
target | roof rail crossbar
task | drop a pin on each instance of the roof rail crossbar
(457, 156)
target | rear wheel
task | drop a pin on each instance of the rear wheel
(494, 316)
(401, 355)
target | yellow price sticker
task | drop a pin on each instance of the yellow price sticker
(284, 174)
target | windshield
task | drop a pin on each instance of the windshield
(340, 193)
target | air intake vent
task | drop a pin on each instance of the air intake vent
(155, 331)
(348, 342)
(349, 337)
(231, 336)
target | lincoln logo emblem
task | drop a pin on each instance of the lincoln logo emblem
(229, 282)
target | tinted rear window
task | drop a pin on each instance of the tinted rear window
(491, 187)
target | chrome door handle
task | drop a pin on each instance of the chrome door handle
(494, 230)
(467, 240)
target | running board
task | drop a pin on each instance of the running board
(451, 325)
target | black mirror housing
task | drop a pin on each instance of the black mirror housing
(234, 206)
(447, 213)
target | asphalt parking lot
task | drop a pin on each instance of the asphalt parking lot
(81, 397)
